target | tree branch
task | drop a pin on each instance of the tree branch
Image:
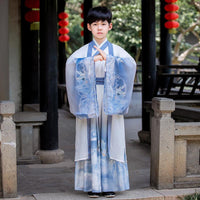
(181, 58)
(196, 4)
(180, 38)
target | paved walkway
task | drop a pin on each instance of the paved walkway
(56, 181)
(43, 178)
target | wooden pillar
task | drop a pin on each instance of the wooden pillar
(87, 33)
(4, 55)
(30, 63)
(165, 43)
(148, 58)
(48, 74)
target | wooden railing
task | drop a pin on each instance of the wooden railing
(178, 82)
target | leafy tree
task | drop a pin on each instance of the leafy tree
(127, 27)
(73, 8)
(183, 48)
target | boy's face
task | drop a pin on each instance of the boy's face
(99, 30)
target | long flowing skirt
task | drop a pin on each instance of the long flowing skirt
(99, 173)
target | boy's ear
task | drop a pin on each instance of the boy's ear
(88, 26)
(110, 26)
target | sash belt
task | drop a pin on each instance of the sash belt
(100, 81)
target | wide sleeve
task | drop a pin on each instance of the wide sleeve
(118, 87)
(81, 87)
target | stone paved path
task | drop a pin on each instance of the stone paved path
(54, 178)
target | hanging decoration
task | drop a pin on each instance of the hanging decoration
(32, 3)
(33, 15)
(82, 16)
(171, 15)
(63, 30)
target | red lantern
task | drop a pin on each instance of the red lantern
(63, 23)
(63, 31)
(64, 38)
(32, 16)
(82, 33)
(32, 3)
(82, 24)
(170, 1)
(63, 15)
(82, 15)
(171, 24)
(171, 7)
(171, 16)
(82, 6)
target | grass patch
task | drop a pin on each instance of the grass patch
(194, 196)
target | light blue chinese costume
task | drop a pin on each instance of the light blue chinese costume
(99, 94)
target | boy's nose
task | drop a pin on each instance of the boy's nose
(99, 26)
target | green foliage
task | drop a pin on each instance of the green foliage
(127, 26)
(187, 16)
(74, 11)
(194, 196)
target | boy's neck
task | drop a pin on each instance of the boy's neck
(100, 41)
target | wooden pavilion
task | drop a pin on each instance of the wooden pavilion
(39, 79)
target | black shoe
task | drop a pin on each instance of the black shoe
(108, 194)
(93, 194)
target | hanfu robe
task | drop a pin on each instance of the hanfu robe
(99, 93)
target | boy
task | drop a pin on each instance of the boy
(99, 79)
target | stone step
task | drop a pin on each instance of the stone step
(138, 194)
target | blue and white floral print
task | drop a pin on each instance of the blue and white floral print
(100, 158)
(117, 89)
(85, 89)
(100, 173)
(118, 85)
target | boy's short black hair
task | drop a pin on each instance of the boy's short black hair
(99, 13)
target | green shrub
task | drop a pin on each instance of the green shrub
(194, 196)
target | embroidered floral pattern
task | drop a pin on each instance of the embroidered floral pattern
(85, 87)
(99, 173)
(118, 85)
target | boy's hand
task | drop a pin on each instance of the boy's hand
(98, 58)
(101, 56)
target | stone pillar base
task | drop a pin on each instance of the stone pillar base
(144, 137)
(50, 156)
